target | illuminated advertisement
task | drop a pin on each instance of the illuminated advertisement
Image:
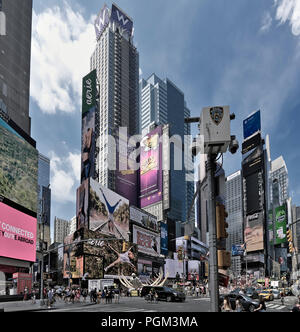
(254, 232)
(164, 239)
(151, 174)
(121, 19)
(109, 257)
(18, 168)
(82, 203)
(252, 124)
(237, 250)
(281, 258)
(148, 242)
(101, 21)
(126, 176)
(143, 218)
(108, 211)
(280, 224)
(17, 234)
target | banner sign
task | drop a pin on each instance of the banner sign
(280, 224)
(252, 124)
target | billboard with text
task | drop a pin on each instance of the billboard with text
(101, 21)
(151, 173)
(148, 242)
(17, 234)
(254, 232)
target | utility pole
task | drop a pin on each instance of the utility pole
(213, 252)
(42, 263)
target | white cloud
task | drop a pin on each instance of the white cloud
(62, 43)
(65, 175)
(289, 10)
(266, 22)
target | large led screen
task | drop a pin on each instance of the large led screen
(148, 242)
(18, 168)
(151, 168)
(254, 232)
(108, 212)
(17, 234)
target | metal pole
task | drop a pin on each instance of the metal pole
(42, 265)
(213, 253)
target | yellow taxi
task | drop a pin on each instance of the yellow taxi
(267, 294)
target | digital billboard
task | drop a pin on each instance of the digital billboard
(237, 250)
(254, 232)
(251, 143)
(281, 258)
(17, 234)
(151, 173)
(82, 204)
(252, 124)
(73, 265)
(148, 242)
(144, 218)
(252, 194)
(126, 175)
(18, 169)
(108, 211)
(121, 19)
(101, 21)
(164, 238)
(108, 257)
(253, 163)
(280, 224)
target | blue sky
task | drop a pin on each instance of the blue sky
(241, 53)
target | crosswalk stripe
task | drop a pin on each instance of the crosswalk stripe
(282, 307)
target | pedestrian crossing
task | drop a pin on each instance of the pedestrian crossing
(112, 309)
(275, 306)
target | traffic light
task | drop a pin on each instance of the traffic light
(289, 235)
(224, 259)
(291, 248)
(221, 223)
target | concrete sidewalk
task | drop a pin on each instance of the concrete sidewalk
(29, 306)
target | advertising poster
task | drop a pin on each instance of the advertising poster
(270, 227)
(121, 19)
(254, 232)
(108, 212)
(280, 224)
(101, 21)
(164, 239)
(82, 204)
(17, 234)
(252, 124)
(172, 267)
(88, 145)
(89, 92)
(144, 218)
(144, 269)
(126, 176)
(151, 174)
(148, 242)
(193, 270)
(73, 266)
(18, 168)
(281, 258)
(108, 257)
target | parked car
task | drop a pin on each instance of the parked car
(247, 303)
(267, 294)
(252, 293)
(164, 293)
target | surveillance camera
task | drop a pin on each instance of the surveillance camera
(234, 145)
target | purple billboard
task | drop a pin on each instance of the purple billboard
(151, 173)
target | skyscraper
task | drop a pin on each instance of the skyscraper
(234, 207)
(116, 61)
(15, 53)
(279, 182)
(162, 102)
(61, 229)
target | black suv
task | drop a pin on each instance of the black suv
(164, 293)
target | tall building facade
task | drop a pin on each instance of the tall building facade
(61, 229)
(116, 61)
(234, 208)
(15, 54)
(162, 102)
(44, 199)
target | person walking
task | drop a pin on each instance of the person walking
(282, 295)
(50, 298)
(103, 296)
(262, 305)
(226, 305)
(84, 294)
(238, 306)
(117, 295)
(197, 291)
(25, 294)
(33, 296)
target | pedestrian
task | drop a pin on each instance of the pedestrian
(72, 297)
(25, 294)
(99, 296)
(106, 296)
(282, 295)
(226, 305)
(110, 295)
(117, 295)
(296, 307)
(84, 294)
(103, 296)
(262, 305)
(50, 298)
(33, 296)
(197, 291)
(238, 306)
